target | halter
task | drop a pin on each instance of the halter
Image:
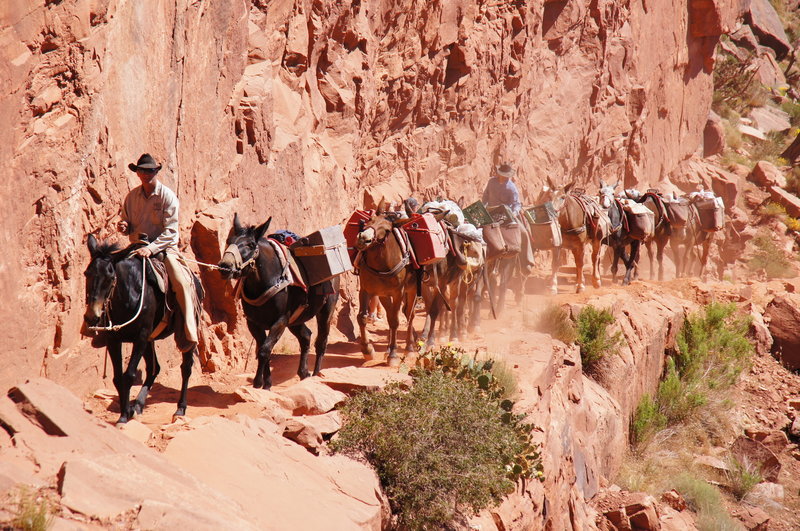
(404, 261)
(238, 265)
(107, 304)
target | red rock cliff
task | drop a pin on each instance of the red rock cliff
(304, 110)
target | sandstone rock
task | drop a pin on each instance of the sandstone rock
(351, 380)
(776, 441)
(312, 397)
(755, 197)
(752, 132)
(769, 119)
(108, 486)
(672, 520)
(674, 499)
(726, 186)
(752, 518)
(793, 403)
(137, 431)
(789, 201)
(274, 478)
(769, 71)
(713, 463)
(745, 38)
(767, 26)
(747, 451)
(310, 431)
(760, 334)
(766, 174)
(783, 313)
(45, 100)
(713, 135)
(768, 491)
(794, 428)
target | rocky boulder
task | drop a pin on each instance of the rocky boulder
(276, 479)
(767, 26)
(769, 119)
(713, 135)
(788, 200)
(751, 452)
(312, 397)
(783, 313)
(351, 380)
(766, 174)
(627, 510)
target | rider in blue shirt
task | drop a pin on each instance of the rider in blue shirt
(501, 191)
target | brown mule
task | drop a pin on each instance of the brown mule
(385, 270)
(582, 223)
(684, 242)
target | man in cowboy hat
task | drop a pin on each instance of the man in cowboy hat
(152, 209)
(500, 190)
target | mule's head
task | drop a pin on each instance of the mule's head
(375, 229)
(553, 193)
(606, 194)
(241, 247)
(100, 277)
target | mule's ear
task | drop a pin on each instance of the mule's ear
(569, 186)
(617, 184)
(381, 207)
(91, 242)
(551, 184)
(237, 225)
(602, 183)
(261, 230)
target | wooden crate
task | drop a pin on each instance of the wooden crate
(322, 255)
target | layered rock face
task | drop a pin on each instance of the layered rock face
(305, 110)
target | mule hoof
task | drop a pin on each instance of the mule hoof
(579, 288)
(122, 420)
(394, 361)
(368, 352)
(553, 290)
(180, 412)
(303, 374)
(138, 408)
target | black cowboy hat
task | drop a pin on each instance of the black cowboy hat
(505, 170)
(145, 162)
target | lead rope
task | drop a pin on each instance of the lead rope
(112, 327)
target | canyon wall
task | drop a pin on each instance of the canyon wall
(304, 110)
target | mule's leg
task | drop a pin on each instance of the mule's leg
(264, 353)
(615, 257)
(408, 296)
(259, 335)
(596, 255)
(704, 258)
(674, 245)
(115, 353)
(126, 408)
(303, 335)
(556, 263)
(186, 372)
(324, 321)
(392, 307)
(474, 298)
(630, 262)
(153, 368)
(661, 242)
(367, 349)
(577, 254)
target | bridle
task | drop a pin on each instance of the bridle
(107, 303)
(404, 261)
(239, 266)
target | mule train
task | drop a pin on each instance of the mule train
(442, 257)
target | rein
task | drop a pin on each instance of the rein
(107, 303)
(271, 291)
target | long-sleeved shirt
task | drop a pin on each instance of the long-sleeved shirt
(498, 193)
(155, 215)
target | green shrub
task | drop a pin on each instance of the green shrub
(793, 110)
(706, 501)
(733, 137)
(769, 149)
(742, 477)
(769, 258)
(448, 446)
(32, 514)
(712, 350)
(735, 83)
(646, 421)
(554, 320)
(593, 336)
(678, 398)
